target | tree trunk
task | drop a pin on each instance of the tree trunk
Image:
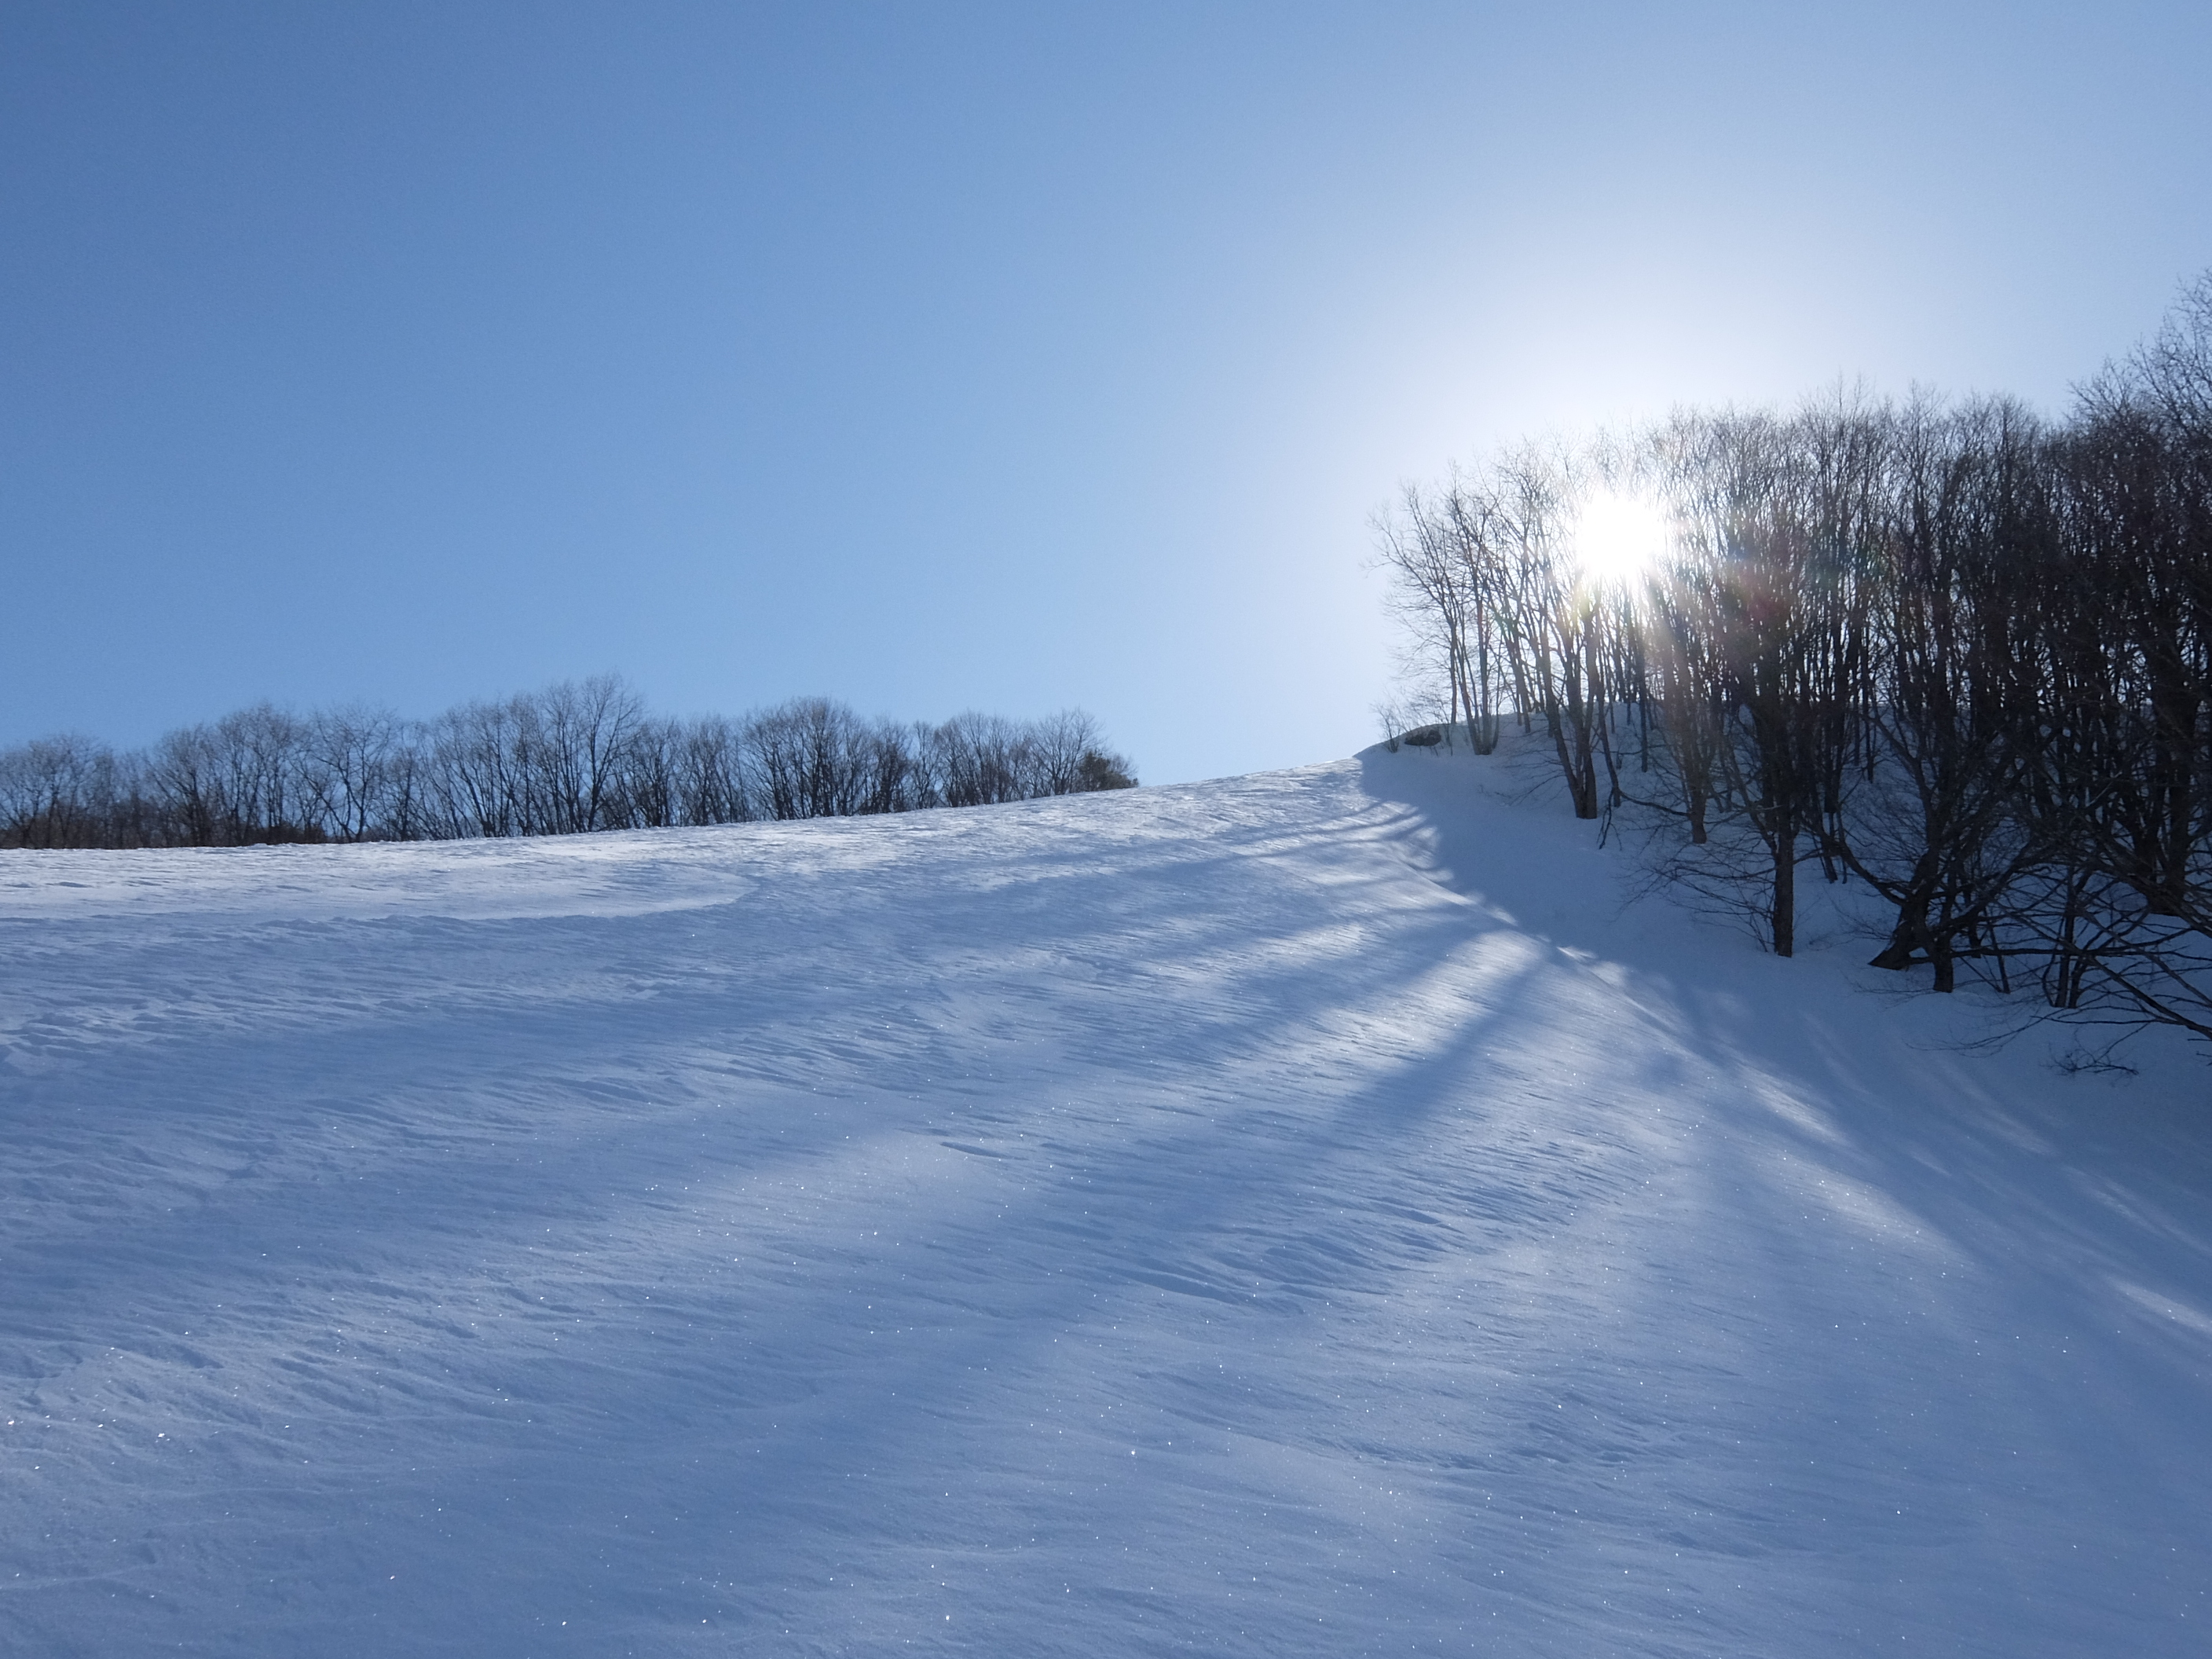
(1785, 889)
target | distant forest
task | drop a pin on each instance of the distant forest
(580, 755)
(1956, 651)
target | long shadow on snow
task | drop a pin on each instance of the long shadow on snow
(2075, 1219)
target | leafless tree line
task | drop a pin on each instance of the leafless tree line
(1957, 652)
(580, 755)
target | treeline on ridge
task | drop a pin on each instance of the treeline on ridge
(576, 757)
(1959, 652)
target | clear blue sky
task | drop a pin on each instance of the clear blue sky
(936, 356)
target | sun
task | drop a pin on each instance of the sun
(1619, 537)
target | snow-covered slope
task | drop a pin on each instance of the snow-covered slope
(1296, 1214)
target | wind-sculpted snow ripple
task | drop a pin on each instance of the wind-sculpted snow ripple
(1301, 1214)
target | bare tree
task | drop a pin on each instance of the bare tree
(711, 773)
(65, 791)
(353, 773)
(1938, 825)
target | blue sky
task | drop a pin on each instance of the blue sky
(944, 357)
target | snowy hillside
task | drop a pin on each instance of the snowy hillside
(1295, 1214)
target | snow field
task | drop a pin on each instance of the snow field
(1300, 1214)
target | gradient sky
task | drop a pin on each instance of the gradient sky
(939, 356)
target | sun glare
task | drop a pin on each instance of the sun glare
(1619, 537)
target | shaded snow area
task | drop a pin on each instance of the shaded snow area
(1298, 1214)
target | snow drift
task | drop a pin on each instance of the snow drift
(1299, 1213)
